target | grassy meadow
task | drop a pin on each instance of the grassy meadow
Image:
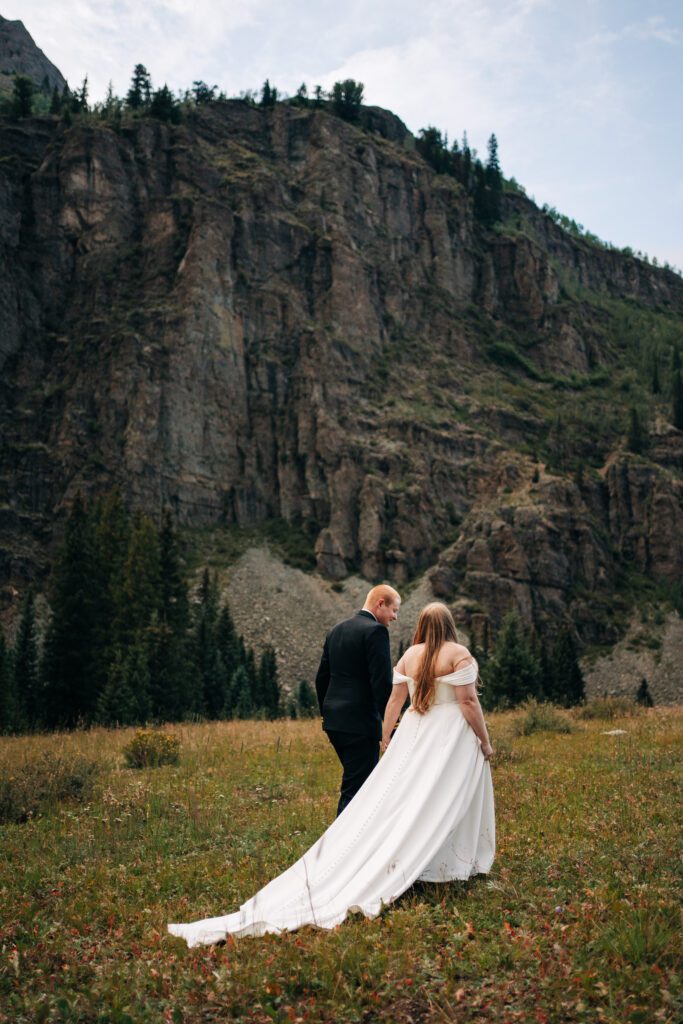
(579, 920)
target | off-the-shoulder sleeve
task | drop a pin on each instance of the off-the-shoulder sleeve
(463, 676)
(398, 678)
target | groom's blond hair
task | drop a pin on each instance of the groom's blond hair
(381, 592)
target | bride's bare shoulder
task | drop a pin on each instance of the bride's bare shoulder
(410, 658)
(458, 653)
(452, 647)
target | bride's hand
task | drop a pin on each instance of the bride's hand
(487, 751)
(384, 743)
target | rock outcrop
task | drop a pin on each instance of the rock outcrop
(19, 55)
(271, 312)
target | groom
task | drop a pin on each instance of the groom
(353, 686)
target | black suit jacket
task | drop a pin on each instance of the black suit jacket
(354, 679)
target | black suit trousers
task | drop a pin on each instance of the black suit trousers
(358, 755)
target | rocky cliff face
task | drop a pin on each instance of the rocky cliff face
(19, 55)
(271, 312)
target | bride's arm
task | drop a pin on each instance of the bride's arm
(392, 711)
(474, 716)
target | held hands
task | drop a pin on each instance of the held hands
(384, 743)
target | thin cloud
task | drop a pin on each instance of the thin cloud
(105, 38)
(654, 28)
(576, 93)
(468, 71)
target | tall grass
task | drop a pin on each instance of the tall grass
(577, 922)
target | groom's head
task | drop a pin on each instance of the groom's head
(384, 602)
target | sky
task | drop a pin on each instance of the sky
(584, 96)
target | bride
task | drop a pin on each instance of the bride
(425, 812)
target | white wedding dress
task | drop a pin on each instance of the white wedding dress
(425, 812)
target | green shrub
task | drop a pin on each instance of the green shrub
(292, 543)
(606, 708)
(506, 356)
(643, 695)
(37, 786)
(503, 750)
(541, 718)
(150, 749)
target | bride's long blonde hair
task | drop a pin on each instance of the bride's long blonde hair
(435, 627)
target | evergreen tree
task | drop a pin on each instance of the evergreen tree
(493, 180)
(26, 688)
(8, 704)
(474, 649)
(249, 664)
(111, 538)
(68, 649)
(112, 108)
(488, 186)
(493, 172)
(239, 660)
(565, 684)
(109, 99)
(301, 97)
(141, 619)
(466, 162)
(140, 92)
(141, 588)
(431, 147)
(268, 94)
(635, 441)
(481, 194)
(677, 401)
(175, 609)
(216, 683)
(125, 699)
(173, 693)
(655, 385)
(137, 678)
(643, 696)
(23, 91)
(307, 703)
(268, 683)
(164, 106)
(242, 702)
(512, 673)
(79, 99)
(175, 613)
(227, 641)
(55, 102)
(347, 99)
(202, 93)
(546, 673)
(318, 96)
(207, 652)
